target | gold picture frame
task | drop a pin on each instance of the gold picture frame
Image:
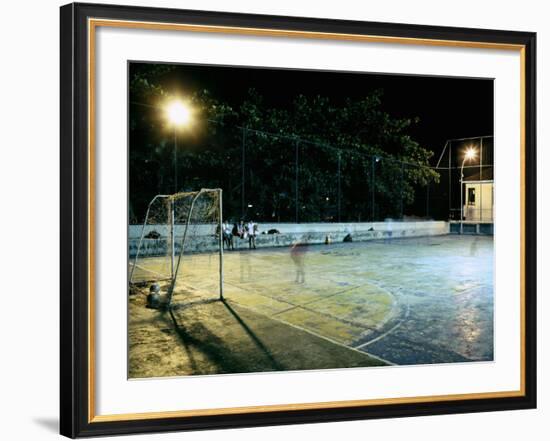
(79, 24)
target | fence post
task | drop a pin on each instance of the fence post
(372, 159)
(296, 144)
(243, 156)
(428, 199)
(175, 161)
(481, 179)
(401, 191)
(449, 172)
(339, 184)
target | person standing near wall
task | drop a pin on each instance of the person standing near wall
(227, 235)
(298, 255)
(251, 230)
(242, 230)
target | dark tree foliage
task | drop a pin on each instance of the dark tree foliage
(311, 161)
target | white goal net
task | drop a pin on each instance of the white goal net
(179, 245)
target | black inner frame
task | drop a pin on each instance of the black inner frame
(74, 220)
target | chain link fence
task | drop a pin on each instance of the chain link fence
(275, 178)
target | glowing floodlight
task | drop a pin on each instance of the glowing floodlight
(179, 113)
(470, 154)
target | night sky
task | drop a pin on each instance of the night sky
(448, 107)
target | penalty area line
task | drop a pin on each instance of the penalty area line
(292, 325)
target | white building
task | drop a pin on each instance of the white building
(478, 199)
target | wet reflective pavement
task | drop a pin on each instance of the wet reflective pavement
(444, 287)
(405, 301)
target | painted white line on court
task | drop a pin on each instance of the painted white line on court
(313, 333)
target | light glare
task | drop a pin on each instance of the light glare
(178, 113)
(470, 153)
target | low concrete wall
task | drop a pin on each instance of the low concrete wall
(483, 228)
(203, 238)
(134, 231)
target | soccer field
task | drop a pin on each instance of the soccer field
(404, 301)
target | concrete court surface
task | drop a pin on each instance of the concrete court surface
(400, 301)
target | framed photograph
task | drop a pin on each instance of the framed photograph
(274, 220)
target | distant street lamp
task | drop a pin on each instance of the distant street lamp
(468, 156)
(178, 114)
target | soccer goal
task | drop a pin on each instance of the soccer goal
(181, 244)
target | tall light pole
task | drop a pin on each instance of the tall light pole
(179, 115)
(469, 155)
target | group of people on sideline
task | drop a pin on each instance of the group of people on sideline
(241, 230)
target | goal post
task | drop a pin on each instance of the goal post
(178, 239)
(153, 242)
